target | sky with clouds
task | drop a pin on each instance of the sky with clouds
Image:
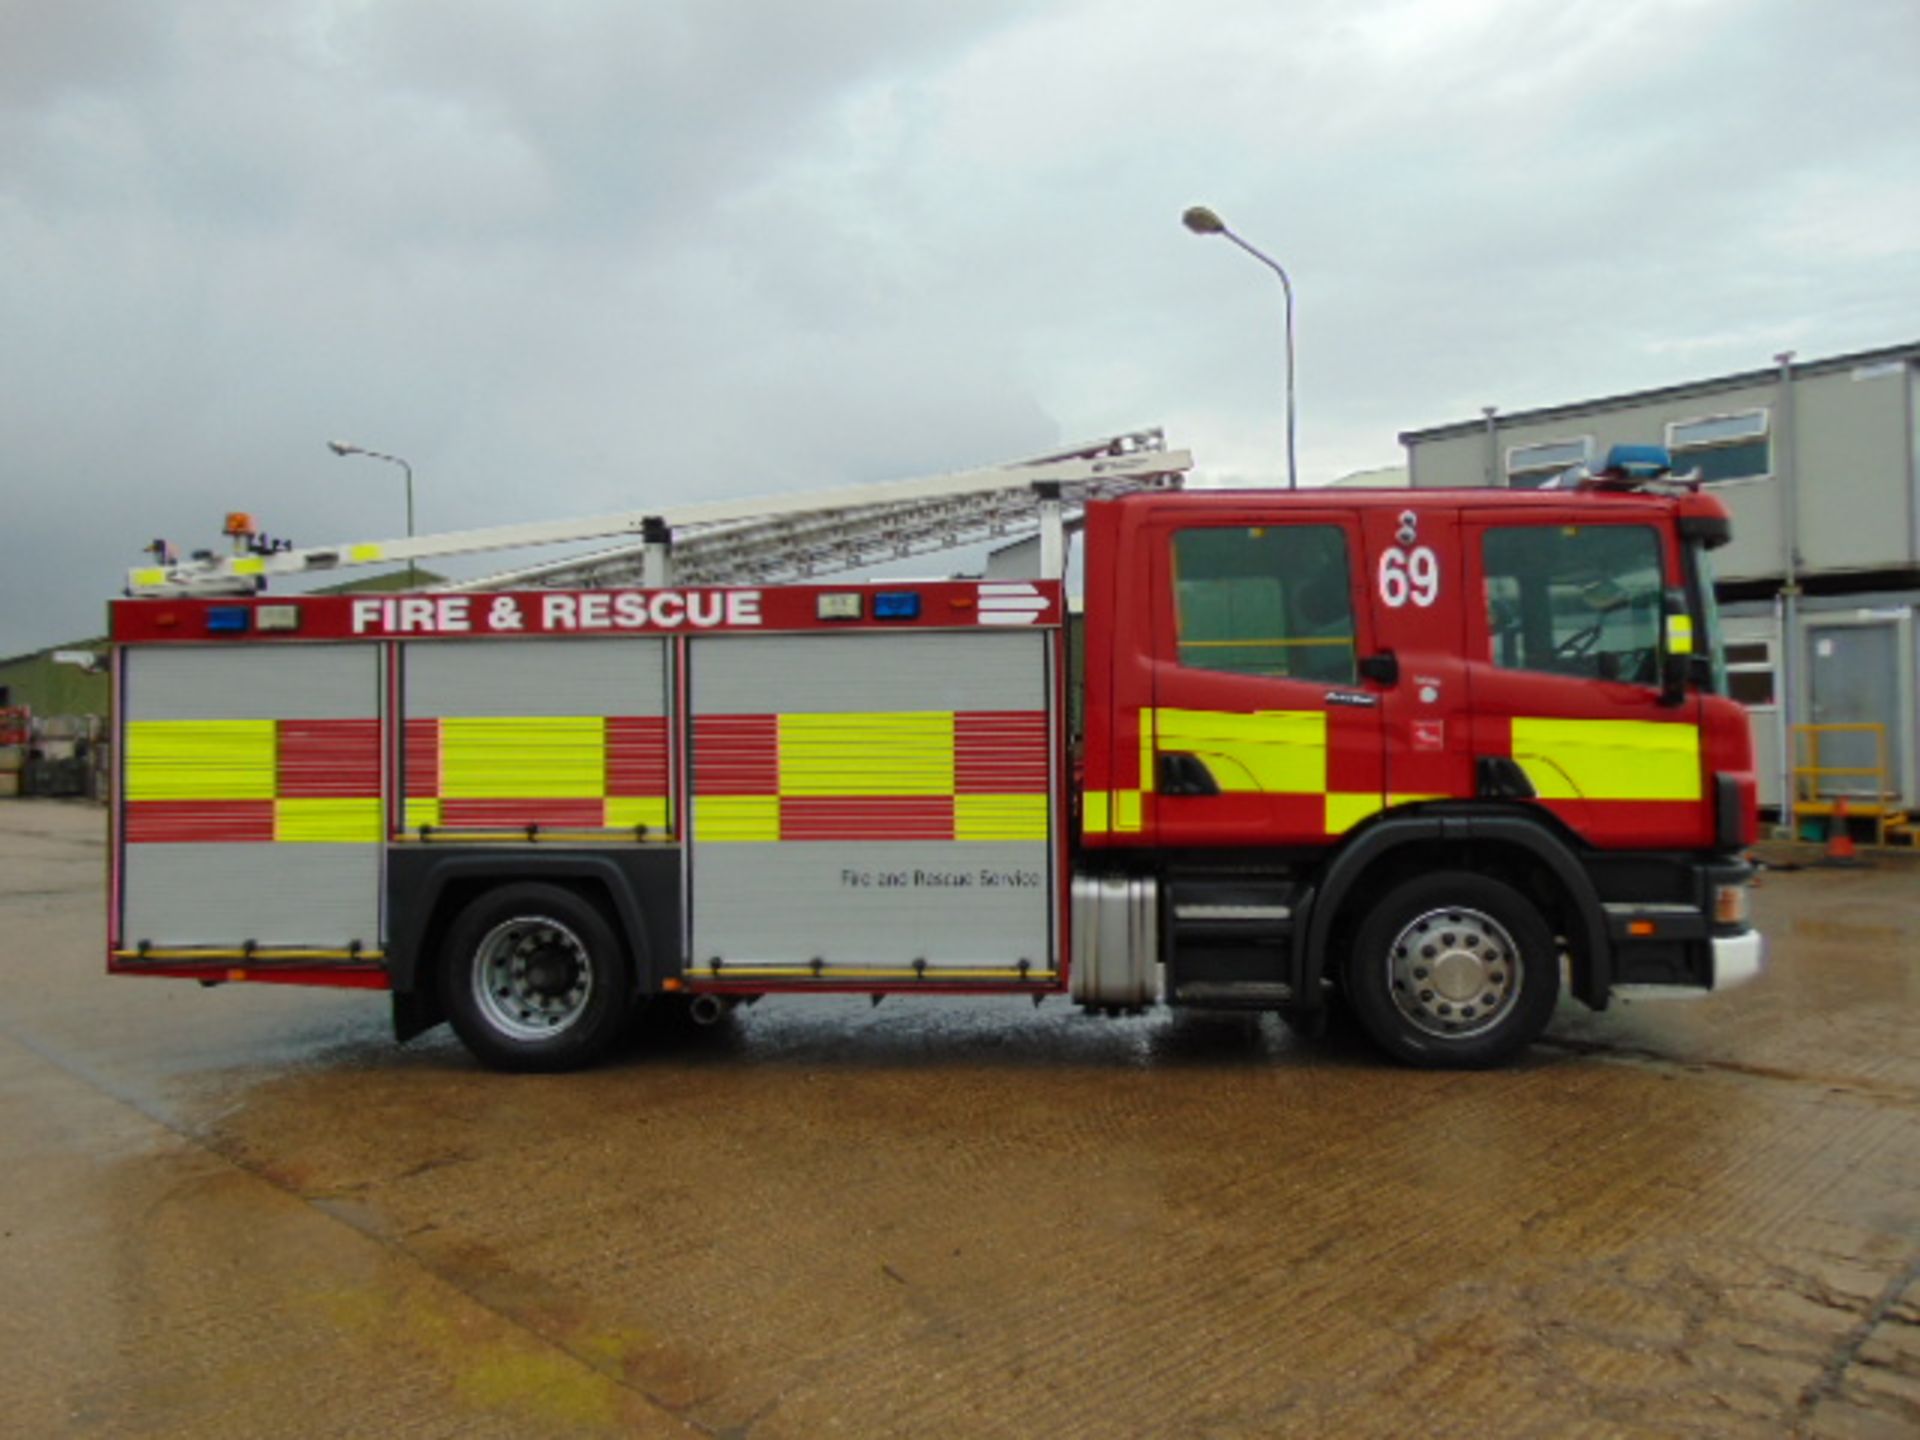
(584, 256)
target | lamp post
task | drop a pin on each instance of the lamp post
(341, 447)
(1202, 221)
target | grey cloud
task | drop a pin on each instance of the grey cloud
(575, 257)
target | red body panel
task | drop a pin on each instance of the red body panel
(1099, 766)
(1429, 748)
(1450, 706)
(1726, 748)
(1499, 695)
(1349, 710)
(511, 615)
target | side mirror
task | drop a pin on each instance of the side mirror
(1676, 647)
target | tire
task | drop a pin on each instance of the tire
(534, 977)
(1454, 970)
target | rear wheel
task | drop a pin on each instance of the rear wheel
(1454, 969)
(533, 978)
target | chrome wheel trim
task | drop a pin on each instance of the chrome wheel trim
(1454, 973)
(532, 977)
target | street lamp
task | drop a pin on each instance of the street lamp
(1202, 221)
(341, 447)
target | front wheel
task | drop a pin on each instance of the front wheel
(533, 978)
(1454, 970)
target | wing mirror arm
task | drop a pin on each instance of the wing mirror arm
(1676, 647)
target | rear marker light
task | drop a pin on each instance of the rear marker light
(226, 620)
(896, 605)
(276, 617)
(840, 605)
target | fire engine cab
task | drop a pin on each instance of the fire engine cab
(1432, 755)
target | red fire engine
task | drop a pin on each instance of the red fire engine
(1420, 752)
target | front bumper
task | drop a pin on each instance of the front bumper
(1688, 937)
(1737, 959)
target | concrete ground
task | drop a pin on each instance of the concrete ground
(243, 1212)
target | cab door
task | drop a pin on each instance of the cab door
(1417, 581)
(1564, 664)
(1260, 731)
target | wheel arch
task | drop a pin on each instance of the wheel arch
(1517, 848)
(426, 892)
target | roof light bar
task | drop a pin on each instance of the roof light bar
(1637, 462)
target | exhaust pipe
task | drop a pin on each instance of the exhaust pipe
(707, 1009)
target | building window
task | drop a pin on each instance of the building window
(1722, 447)
(1750, 671)
(1269, 600)
(1531, 466)
(1575, 600)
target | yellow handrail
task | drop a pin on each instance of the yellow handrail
(1811, 798)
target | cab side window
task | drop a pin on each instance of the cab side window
(1579, 600)
(1271, 600)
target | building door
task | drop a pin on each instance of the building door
(1854, 672)
(1751, 653)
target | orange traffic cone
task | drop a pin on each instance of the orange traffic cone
(1839, 837)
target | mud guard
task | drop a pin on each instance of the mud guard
(643, 887)
(1592, 980)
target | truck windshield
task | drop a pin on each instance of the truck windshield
(1706, 608)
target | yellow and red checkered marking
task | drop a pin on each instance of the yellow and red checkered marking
(575, 772)
(1283, 756)
(252, 781)
(894, 775)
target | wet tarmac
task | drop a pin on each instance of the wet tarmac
(244, 1212)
